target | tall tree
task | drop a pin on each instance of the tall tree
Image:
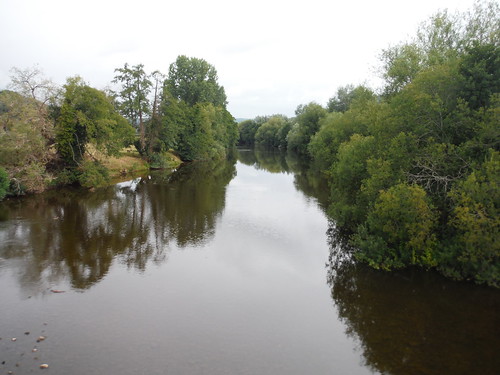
(133, 97)
(194, 81)
(154, 126)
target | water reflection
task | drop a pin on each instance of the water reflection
(416, 322)
(307, 178)
(75, 235)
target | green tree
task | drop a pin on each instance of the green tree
(195, 121)
(26, 135)
(273, 132)
(399, 230)
(133, 100)
(89, 117)
(307, 123)
(247, 130)
(480, 69)
(475, 252)
(400, 64)
(195, 81)
(342, 101)
(346, 176)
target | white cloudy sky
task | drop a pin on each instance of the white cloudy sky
(270, 55)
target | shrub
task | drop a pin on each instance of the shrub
(93, 174)
(399, 230)
(4, 183)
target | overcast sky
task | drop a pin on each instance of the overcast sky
(270, 55)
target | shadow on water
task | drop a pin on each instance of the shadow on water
(75, 235)
(413, 321)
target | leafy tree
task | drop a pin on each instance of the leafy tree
(323, 146)
(482, 24)
(195, 81)
(273, 132)
(400, 64)
(337, 128)
(480, 69)
(88, 117)
(341, 102)
(25, 142)
(133, 97)
(347, 175)
(195, 121)
(282, 134)
(476, 219)
(307, 123)
(247, 130)
(440, 40)
(201, 131)
(399, 230)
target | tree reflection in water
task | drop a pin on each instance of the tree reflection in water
(415, 322)
(307, 179)
(74, 235)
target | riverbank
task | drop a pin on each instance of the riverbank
(129, 163)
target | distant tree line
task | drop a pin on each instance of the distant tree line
(53, 135)
(414, 170)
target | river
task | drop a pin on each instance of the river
(220, 268)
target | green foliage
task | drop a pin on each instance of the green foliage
(347, 174)
(407, 172)
(399, 230)
(195, 121)
(88, 117)
(273, 132)
(400, 64)
(201, 131)
(162, 160)
(92, 174)
(346, 95)
(247, 130)
(307, 123)
(133, 101)
(195, 81)
(480, 68)
(25, 139)
(475, 253)
(4, 183)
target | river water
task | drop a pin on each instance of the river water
(220, 268)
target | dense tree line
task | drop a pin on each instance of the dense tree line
(188, 112)
(414, 170)
(53, 135)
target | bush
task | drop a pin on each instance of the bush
(4, 183)
(399, 230)
(93, 174)
(476, 219)
(162, 160)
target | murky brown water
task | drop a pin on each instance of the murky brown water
(220, 268)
